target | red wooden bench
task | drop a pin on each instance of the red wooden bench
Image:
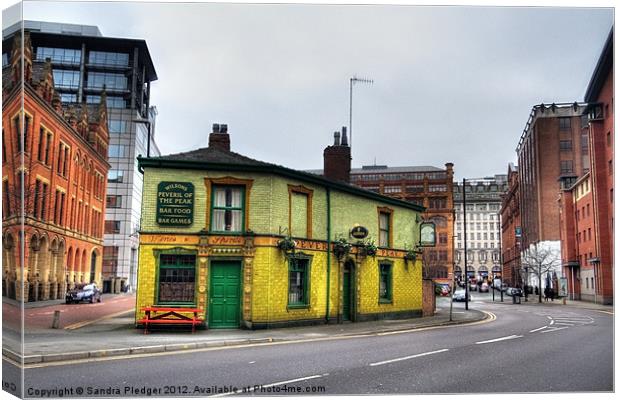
(171, 315)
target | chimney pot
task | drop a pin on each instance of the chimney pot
(337, 159)
(336, 138)
(344, 141)
(219, 138)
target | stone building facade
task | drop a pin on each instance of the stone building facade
(255, 245)
(482, 208)
(56, 155)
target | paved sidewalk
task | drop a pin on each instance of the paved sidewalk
(532, 300)
(117, 336)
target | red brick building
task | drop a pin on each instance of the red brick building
(57, 157)
(553, 147)
(578, 238)
(587, 206)
(511, 227)
(427, 186)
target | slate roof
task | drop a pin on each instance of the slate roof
(213, 157)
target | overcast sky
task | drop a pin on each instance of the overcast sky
(451, 84)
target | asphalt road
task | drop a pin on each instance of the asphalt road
(525, 349)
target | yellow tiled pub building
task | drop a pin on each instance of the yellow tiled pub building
(256, 245)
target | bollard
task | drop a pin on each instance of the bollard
(56, 321)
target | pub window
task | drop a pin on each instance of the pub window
(177, 278)
(298, 281)
(228, 209)
(385, 283)
(384, 229)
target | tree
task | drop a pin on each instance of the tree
(538, 260)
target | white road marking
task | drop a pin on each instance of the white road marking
(554, 329)
(552, 322)
(253, 388)
(500, 339)
(407, 358)
(564, 323)
(538, 329)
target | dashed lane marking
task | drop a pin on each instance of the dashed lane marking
(500, 339)
(406, 358)
(538, 329)
(554, 329)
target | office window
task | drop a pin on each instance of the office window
(298, 279)
(58, 55)
(68, 97)
(66, 78)
(96, 80)
(115, 176)
(391, 189)
(227, 212)
(443, 238)
(116, 126)
(584, 144)
(437, 188)
(113, 201)
(177, 278)
(112, 227)
(385, 283)
(566, 166)
(564, 123)
(5, 60)
(437, 202)
(384, 229)
(566, 145)
(116, 150)
(415, 188)
(108, 58)
(110, 259)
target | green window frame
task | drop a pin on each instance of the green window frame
(298, 282)
(227, 209)
(385, 282)
(176, 279)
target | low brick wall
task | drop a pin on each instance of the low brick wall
(428, 298)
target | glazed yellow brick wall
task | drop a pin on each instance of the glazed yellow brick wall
(348, 210)
(269, 201)
(270, 287)
(406, 286)
(147, 275)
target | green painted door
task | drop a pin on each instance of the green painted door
(225, 294)
(346, 293)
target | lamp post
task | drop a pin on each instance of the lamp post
(351, 82)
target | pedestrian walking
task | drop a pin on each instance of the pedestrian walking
(546, 292)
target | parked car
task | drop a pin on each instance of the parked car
(459, 295)
(442, 289)
(514, 291)
(484, 287)
(83, 292)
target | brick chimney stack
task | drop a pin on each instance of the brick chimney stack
(337, 158)
(219, 138)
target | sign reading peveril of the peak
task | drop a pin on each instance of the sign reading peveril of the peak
(175, 203)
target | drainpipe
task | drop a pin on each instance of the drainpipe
(329, 253)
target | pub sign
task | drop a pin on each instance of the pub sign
(427, 234)
(175, 203)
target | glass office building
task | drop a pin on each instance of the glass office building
(83, 63)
